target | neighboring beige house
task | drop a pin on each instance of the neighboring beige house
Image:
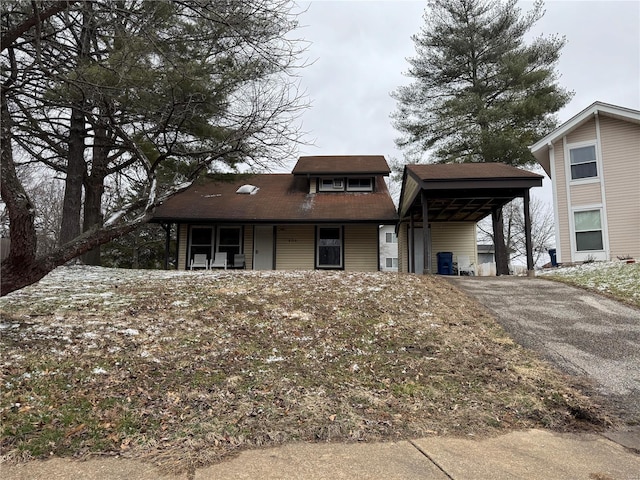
(450, 199)
(594, 164)
(388, 249)
(324, 215)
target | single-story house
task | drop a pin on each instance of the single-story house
(450, 199)
(593, 161)
(324, 215)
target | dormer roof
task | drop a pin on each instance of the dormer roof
(342, 165)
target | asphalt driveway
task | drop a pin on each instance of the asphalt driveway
(583, 333)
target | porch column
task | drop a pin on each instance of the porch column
(527, 233)
(167, 243)
(412, 253)
(426, 267)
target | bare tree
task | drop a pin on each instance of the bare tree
(542, 229)
(143, 95)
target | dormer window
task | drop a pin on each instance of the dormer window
(331, 185)
(360, 184)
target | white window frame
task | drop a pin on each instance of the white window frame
(358, 188)
(319, 246)
(337, 184)
(394, 262)
(574, 146)
(394, 238)
(584, 255)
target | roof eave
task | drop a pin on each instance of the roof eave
(581, 117)
(336, 173)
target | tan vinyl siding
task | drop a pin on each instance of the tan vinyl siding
(560, 180)
(248, 246)
(295, 247)
(583, 133)
(182, 246)
(456, 237)
(621, 161)
(403, 248)
(586, 194)
(410, 189)
(361, 248)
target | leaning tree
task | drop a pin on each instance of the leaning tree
(480, 92)
(138, 97)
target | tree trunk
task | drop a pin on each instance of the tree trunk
(72, 203)
(502, 255)
(94, 189)
(22, 231)
(76, 167)
(16, 275)
(135, 253)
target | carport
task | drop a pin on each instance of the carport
(464, 192)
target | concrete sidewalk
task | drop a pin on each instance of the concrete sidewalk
(532, 454)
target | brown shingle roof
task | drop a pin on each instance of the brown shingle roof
(342, 165)
(469, 171)
(280, 198)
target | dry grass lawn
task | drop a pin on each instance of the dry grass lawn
(185, 368)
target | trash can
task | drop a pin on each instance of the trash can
(552, 254)
(445, 263)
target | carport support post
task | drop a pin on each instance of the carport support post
(527, 233)
(412, 252)
(426, 267)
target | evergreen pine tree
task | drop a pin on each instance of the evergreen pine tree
(480, 92)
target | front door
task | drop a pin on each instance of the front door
(263, 247)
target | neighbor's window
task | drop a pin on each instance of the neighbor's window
(359, 184)
(331, 185)
(583, 162)
(329, 247)
(588, 227)
(392, 262)
(391, 238)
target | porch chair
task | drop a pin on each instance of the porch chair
(220, 260)
(238, 260)
(465, 265)
(199, 260)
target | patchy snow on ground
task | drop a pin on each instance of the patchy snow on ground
(619, 279)
(112, 361)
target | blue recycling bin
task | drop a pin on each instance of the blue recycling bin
(445, 263)
(552, 254)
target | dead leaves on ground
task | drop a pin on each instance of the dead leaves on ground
(194, 366)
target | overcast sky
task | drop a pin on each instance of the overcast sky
(359, 49)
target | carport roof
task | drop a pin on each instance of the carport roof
(464, 191)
